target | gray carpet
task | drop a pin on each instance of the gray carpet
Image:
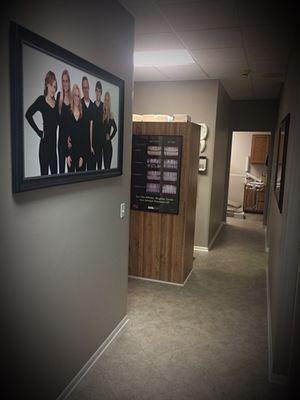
(207, 340)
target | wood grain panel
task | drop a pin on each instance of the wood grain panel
(259, 149)
(161, 245)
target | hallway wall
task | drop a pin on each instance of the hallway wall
(221, 147)
(64, 249)
(283, 228)
(199, 99)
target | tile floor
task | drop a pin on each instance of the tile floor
(207, 340)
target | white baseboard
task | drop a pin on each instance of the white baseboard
(84, 370)
(188, 277)
(202, 248)
(159, 281)
(216, 234)
(267, 249)
(273, 378)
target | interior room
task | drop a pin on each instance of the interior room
(248, 173)
(149, 155)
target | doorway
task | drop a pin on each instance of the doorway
(248, 175)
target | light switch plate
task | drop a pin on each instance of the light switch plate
(122, 210)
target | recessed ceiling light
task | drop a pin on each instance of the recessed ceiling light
(162, 58)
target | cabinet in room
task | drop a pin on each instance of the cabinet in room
(161, 245)
(254, 199)
(259, 149)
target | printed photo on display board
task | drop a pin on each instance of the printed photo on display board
(155, 180)
(67, 115)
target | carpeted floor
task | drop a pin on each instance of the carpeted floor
(207, 340)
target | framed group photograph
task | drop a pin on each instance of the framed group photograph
(66, 115)
(281, 154)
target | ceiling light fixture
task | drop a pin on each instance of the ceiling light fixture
(162, 58)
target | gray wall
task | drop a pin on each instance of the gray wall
(254, 115)
(199, 100)
(219, 180)
(283, 229)
(64, 250)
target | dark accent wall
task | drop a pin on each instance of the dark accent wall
(283, 228)
(219, 191)
(64, 250)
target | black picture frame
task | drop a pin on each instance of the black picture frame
(280, 165)
(20, 37)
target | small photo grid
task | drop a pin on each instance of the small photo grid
(171, 151)
(153, 187)
(170, 176)
(154, 150)
(153, 175)
(153, 163)
(170, 164)
(169, 189)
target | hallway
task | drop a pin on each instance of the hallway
(207, 340)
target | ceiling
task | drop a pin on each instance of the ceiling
(226, 38)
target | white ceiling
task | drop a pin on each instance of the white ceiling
(225, 39)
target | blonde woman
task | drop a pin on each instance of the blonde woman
(47, 106)
(77, 143)
(109, 129)
(64, 101)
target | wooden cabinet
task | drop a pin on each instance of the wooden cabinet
(254, 199)
(161, 245)
(259, 149)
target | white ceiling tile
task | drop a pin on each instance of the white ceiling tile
(155, 24)
(211, 38)
(148, 18)
(223, 55)
(148, 74)
(224, 70)
(266, 12)
(256, 53)
(157, 41)
(238, 88)
(201, 15)
(140, 8)
(256, 12)
(187, 72)
(262, 66)
(225, 37)
(267, 35)
(266, 88)
(160, 2)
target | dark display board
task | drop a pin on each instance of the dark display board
(155, 179)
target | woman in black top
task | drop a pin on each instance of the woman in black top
(63, 102)
(109, 128)
(78, 145)
(97, 138)
(47, 106)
